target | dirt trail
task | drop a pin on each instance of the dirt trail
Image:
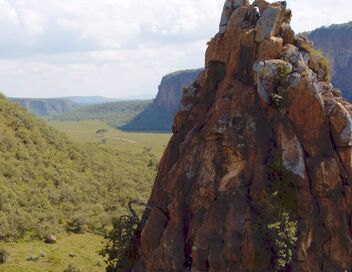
(119, 139)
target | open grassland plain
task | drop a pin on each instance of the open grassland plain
(79, 250)
(85, 132)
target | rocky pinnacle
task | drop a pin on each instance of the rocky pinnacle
(257, 176)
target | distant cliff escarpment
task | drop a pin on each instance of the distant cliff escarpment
(258, 173)
(159, 115)
(336, 42)
(46, 107)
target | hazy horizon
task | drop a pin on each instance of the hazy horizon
(52, 48)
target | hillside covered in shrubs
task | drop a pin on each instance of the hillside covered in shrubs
(48, 184)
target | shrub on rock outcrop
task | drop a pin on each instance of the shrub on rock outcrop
(317, 62)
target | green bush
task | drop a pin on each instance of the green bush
(277, 224)
(77, 225)
(4, 256)
(33, 259)
(283, 73)
(120, 242)
(72, 268)
(119, 248)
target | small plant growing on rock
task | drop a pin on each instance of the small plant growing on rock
(283, 73)
(317, 55)
(276, 100)
(4, 256)
(277, 226)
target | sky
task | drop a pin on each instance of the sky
(117, 48)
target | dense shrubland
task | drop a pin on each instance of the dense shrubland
(49, 184)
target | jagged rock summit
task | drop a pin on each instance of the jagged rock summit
(257, 176)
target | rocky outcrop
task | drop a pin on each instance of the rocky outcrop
(336, 42)
(159, 116)
(257, 176)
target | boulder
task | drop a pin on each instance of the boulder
(287, 34)
(341, 126)
(50, 239)
(270, 49)
(268, 24)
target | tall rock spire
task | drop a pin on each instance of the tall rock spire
(257, 176)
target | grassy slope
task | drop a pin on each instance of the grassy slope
(132, 161)
(48, 182)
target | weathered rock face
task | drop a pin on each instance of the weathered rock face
(159, 116)
(257, 176)
(171, 88)
(336, 42)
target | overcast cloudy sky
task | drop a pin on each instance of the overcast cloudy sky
(116, 48)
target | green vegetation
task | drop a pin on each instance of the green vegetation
(317, 56)
(283, 73)
(77, 250)
(4, 256)
(120, 241)
(277, 226)
(116, 114)
(85, 132)
(49, 184)
(72, 268)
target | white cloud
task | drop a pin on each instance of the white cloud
(115, 47)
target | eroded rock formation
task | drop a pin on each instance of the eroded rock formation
(257, 176)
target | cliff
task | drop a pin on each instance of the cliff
(257, 176)
(159, 116)
(336, 42)
(46, 107)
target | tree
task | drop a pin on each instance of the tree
(101, 132)
(121, 240)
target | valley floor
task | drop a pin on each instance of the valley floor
(85, 131)
(83, 249)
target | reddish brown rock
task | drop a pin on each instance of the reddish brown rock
(257, 176)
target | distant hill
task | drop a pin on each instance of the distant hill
(159, 115)
(46, 107)
(89, 100)
(115, 113)
(336, 42)
(48, 184)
